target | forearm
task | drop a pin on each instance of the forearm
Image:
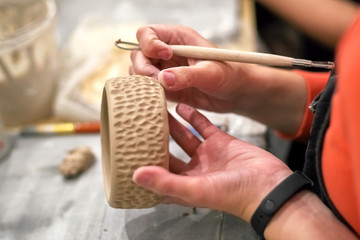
(304, 216)
(324, 20)
(277, 98)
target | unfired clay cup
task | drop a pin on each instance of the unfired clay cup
(134, 133)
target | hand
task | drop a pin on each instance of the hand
(210, 85)
(272, 96)
(224, 173)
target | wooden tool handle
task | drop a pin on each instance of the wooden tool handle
(231, 55)
(207, 53)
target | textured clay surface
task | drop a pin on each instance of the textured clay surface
(77, 161)
(134, 133)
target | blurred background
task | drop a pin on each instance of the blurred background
(55, 55)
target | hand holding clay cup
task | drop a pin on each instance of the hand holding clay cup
(134, 133)
(224, 173)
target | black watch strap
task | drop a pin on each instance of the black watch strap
(276, 198)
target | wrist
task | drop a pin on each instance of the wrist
(304, 216)
(296, 209)
(273, 202)
(265, 184)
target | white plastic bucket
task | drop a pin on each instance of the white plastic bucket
(28, 59)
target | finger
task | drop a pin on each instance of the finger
(176, 165)
(183, 136)
(142, 65)
(154, 39)
(204, 75)
(201, 124)
(131, 70)
(161, 181)
(153, 45)
(179, 35)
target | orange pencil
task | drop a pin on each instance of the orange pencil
(62, 128)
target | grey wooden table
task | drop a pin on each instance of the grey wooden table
(36, 202)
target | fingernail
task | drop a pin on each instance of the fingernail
(143, 180)
(168, 78)
(164, 54)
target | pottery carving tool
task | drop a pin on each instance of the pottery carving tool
(217, 54)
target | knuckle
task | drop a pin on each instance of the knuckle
(166, 188)
(144, 70)
(133, 55)
(196, 192)
(141, 31)
(131, 70)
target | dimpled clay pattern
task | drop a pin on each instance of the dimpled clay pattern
(134, 133)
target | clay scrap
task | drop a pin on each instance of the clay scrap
(77, 161)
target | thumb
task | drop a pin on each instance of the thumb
(204, 75)
(161, 181)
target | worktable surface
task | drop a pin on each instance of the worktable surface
(36, 202)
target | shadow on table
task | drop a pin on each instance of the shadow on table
(173, 222)
(178, 223)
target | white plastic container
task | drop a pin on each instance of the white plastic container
(28, 59)
(6, 142)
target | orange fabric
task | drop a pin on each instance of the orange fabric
(315, 83)
(341, 152)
